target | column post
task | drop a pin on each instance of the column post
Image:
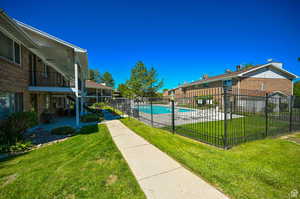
(76, 94)
(82, 98)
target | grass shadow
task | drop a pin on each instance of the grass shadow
(89, 129)
(13, 156)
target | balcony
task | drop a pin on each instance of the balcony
(47, 79)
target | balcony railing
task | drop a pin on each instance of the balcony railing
(49, 79)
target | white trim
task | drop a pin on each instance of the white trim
(238, 75)
(52, 89)
(269, 64)
(275, 92)
(94, 87)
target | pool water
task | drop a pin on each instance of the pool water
(156, 109)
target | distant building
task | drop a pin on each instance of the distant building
(97, 92)
(254, 81)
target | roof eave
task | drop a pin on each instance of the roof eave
(17, 28)
(209, 81)
(268, 64)
(76, 48)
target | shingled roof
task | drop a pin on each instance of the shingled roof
(241, 72)
(92, 84)
(221, 77)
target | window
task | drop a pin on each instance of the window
(262, 86)
(17, 53)
(9, 103)
(6, 48)
(9, 49)
(227, 83)
(5, 106)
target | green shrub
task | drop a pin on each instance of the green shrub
(47, 117)
(17, 147)
(4, 148)
(271, 107)
(21, 121)
(90, 118)
(64, 130)
(297, 102)
(20, 146)
(12, 128)
(283, 106)
(89, 129)
(99, 105)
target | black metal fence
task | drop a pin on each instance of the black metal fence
(218, 117)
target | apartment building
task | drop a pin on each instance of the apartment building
(97, 92)
(39, 72)
(252, 81)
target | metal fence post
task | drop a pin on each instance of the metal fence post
(173, 115)
(151, 108)
(291, 112)
(266, 113)
(225, 116)
(138, 109)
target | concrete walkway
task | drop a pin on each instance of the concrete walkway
(159, 176)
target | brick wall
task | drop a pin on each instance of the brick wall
(212, 88)
(14, 78)
(267, 85)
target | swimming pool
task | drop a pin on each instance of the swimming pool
(157, 109)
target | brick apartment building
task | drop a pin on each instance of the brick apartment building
(38, 72)
(252, 81)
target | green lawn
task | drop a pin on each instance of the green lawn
(87, 165)
(263, 169)
(238, 130)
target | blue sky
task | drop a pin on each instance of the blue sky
(182, 39)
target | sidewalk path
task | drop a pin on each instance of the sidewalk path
(159, 176)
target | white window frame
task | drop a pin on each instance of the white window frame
(14, 56)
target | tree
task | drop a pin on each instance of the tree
(108, 79)
(165, 89)
(153, 84)
(143, 82)
(124, 90)
(297, 88)
(94, 75)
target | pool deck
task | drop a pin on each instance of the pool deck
(193, 116)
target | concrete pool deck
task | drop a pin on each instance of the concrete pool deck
(181, 118)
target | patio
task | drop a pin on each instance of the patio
(41, 133)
